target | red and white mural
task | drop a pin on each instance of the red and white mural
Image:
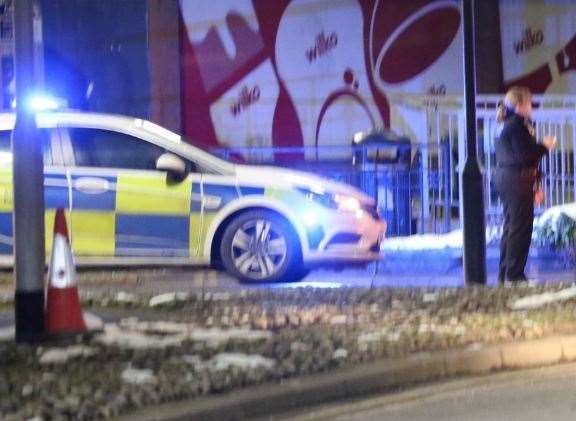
(539, 44)
(311, 72)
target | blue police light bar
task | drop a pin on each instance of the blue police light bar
(43, 102)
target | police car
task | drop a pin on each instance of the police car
(136, 193)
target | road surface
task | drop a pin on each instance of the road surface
(528, 395)
(195, 279)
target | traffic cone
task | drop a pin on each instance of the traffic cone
(63, 312)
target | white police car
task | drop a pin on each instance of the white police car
(136, 193)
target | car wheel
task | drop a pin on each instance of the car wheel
(261, 246)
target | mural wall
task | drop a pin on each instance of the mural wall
(291, 72)
(539, 44)
(311, 72)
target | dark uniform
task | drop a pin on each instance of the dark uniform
(517, 159)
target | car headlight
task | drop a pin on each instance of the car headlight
(347, 203)
(334, 201)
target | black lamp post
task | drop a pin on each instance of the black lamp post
(473, 195)
(28, 177)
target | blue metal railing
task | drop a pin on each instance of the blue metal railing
(391, 173)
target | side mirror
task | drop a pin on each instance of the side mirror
(174, 166)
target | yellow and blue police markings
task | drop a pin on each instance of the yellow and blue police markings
(152, 216)
(139, 214)
(310, 214)
(196, 223)
(215, 197)
(55, 196)
(93, 220)
(6, 206)
(156, 218)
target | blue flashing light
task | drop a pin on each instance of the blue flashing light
(43, 103)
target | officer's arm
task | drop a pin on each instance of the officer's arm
(526, 149)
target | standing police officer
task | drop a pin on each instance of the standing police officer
(517, 159)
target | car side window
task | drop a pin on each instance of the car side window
(110, 149)
(6, 146)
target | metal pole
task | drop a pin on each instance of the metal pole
(28, 176)
(473, 206)
(447, 166)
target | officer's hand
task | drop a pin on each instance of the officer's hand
(549, 142)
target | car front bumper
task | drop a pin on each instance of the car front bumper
(351, 236)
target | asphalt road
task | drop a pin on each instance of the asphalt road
(191, 279)
(161, 280)
(528, 395)
(194, 280)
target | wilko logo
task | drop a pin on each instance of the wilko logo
(531, 38)
(246, 98)
(438, 90)
(323, 45)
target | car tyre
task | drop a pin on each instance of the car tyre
(261, 246)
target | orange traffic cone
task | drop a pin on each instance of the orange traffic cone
(63, 312)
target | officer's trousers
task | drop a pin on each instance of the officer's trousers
(517, 194)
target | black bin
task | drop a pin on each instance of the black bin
(382, 162)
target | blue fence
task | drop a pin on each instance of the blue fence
(411, 183)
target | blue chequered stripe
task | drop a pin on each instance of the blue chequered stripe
(6, 233)
(89, 201)
(226, 193)
(56, 192)
(196, 204)
(161, 235)
(55, 196)
(135, 234)
(247, 191)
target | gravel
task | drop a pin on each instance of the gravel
(212, 343)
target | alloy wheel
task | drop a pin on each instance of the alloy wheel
(259, 249)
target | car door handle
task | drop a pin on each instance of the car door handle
(92, 185)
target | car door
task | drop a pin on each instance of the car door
(121, 205)
(56, 187)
